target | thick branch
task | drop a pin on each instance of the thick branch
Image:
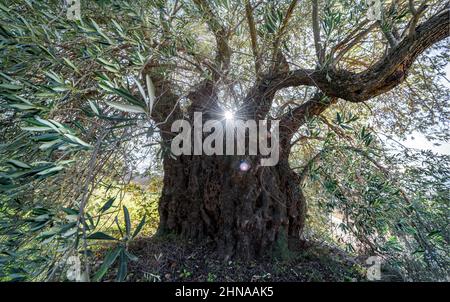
(350, 36)
(204, 99)
(166, 108)
(294, 119)
(258, 101)
(221, 34)
(383, 76)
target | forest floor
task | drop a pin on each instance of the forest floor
(168, 259)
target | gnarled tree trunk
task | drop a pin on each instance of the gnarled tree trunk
(246, 213)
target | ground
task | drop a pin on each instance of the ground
(169, 259)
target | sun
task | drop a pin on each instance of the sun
(229, 115)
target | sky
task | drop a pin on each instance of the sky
(418, 141)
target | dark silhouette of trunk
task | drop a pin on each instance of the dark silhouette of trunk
(245, 213)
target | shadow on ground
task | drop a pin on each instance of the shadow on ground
(169, 259)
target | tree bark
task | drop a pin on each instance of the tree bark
(211, 199)
(244, 213)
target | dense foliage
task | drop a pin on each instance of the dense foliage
(80, 149)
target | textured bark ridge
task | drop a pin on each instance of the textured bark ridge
(245, 213)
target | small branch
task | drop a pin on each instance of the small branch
(393, 42)
(335, 129)
(253, 36)
(417, 13)
(353, 42)
(305, 138)
(85, 197)
(221, 34)
(304, 173)
(316, 32)
(350, 36)
(411, 7)
(282, 29)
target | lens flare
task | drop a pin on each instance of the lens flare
(229, 115)
(244, 166)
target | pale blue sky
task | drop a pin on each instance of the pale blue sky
(420, 142)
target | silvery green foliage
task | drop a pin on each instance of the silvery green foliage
(51, 93)
(72, 106)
